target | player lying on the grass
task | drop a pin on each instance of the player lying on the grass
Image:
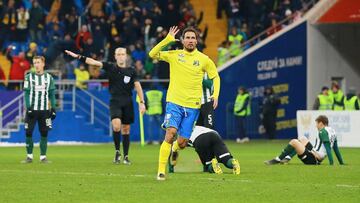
(211, 150)
(308, 153)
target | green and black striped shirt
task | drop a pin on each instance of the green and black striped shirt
(39, 90)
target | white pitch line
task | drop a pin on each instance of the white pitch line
(71, 173)
(348, 186)
(227, 179)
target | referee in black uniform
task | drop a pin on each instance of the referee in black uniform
(122, 80)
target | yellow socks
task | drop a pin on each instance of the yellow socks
(176, 146)
(164, 154)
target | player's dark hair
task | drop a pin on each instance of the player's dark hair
(190, 29)
(39, 57)
(322, 119)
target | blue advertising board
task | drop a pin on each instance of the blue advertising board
(280, 63)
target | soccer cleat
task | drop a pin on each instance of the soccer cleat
(174, 157)
(117, 158)
(160, 176)
(272, 162)
(44, 161)
(286, 160)
(126, 160)
(216, 166)
(28, 160)
(236, 166)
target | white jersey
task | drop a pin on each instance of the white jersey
(199, 130)
(325, 134)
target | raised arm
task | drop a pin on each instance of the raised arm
(155, 52)
(84, 59)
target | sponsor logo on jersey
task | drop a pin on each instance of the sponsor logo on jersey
(196, 63)
(40, 87)
(126, 79)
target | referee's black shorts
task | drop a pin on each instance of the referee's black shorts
(42, 117)
(210, 145)
(123, 109)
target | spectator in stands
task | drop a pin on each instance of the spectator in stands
(236, 40)
(256, 15)
(149, 32)
(324, 101)
(71, 24)
(19, 65)
(2, 77)
(269, 108)
(233, 14)
(8, 22)
(244, 32)
(22, 25)
(172, 15)
(82, 36)
(95, 6)
(100, 39)
(81, 75)
(114, 43)
(36, 22)
(139, 68)
(285, 9)
(54, 31)
(275, 27)
(138, 53)
(90, 50)
(32, 51)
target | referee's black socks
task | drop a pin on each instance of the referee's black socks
(126, 144)
(116, 137)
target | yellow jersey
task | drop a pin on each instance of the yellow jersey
(186, 74)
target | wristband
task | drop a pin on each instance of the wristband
(82, 58)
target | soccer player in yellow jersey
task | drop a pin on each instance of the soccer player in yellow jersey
(187, 68)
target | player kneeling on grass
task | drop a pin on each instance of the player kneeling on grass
(308, 153)
(211, 150)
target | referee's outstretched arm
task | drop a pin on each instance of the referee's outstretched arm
(84, 59)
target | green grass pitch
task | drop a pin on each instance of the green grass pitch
(86, 174)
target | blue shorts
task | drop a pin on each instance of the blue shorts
(181, 118)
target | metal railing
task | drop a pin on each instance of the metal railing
(11, 112)
(96, 114)
(67, 94)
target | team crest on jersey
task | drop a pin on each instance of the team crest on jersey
(126, 79)
(196, 63)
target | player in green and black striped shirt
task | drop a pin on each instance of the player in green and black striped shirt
(39, 91)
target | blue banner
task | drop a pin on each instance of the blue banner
(280, 63)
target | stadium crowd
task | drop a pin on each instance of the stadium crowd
(255, 19)
(91, 27)
(96, 27)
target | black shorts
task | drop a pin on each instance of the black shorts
(41, 117)
(206, 116)
(210, 145)
(122, 109)
(308, 158)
